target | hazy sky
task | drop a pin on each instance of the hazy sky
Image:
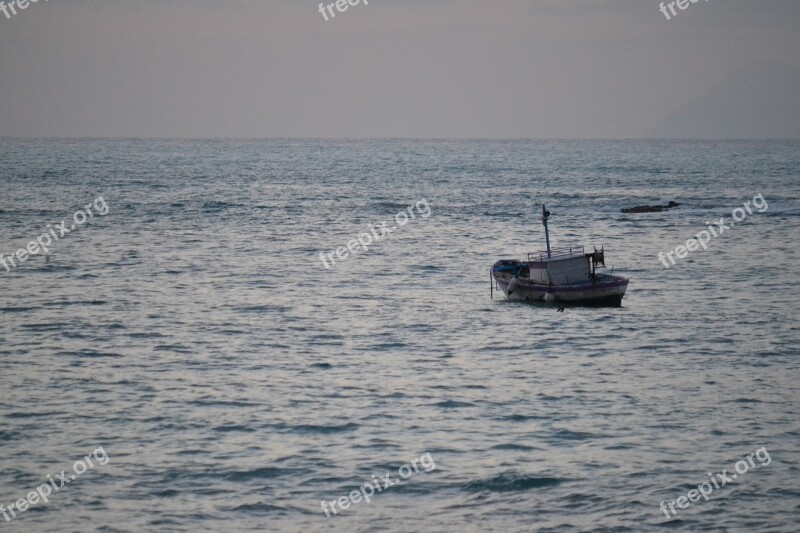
(398, 68)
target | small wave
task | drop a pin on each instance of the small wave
(232, 332)
(55, 173)
(217, 206)
(75, 335)
(177, 348)
(509, 482)
(193, 451)
(89, 353)
(25, 414)
(522, 418)
(263, 508)
(52, 326)
(145, 335)
(220, 403)
(310, 428)
(327, 336)
(234, 428)
(393, 207)
(428, 268)
(67, 303)
(547, 397)
(565, 434)
(452, 404)
(515, 447)
(265, 472)
(388, 346)
(262, 308)
(167, 493)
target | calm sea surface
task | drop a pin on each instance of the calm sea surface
(234, 382)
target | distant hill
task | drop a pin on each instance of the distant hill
(759, 101)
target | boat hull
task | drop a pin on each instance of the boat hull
(607, 291)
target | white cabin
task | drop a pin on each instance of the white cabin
(563, 267)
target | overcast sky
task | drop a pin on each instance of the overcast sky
(397, 68)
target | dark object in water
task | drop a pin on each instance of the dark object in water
(650, 208)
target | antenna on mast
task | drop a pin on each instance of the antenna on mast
(545, 216)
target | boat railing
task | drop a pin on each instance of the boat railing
(554, 253)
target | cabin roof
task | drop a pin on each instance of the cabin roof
(556, 254)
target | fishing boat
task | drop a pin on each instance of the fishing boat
(560, 275)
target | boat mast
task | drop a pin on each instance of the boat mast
(545, 216)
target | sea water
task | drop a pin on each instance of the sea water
(235, 382)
